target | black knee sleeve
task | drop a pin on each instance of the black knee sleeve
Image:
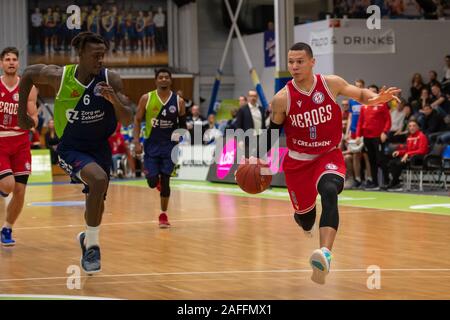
(306, 220)
(165, 186)
(152, 181)
(330, 185)
(23, 179)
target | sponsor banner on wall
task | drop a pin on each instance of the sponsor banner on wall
(194, 161)
(352, 41)
(224, 169)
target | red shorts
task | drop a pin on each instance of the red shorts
(302, 177)
(15, 155)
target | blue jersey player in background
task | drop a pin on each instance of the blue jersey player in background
(163, 111)
(88, 104)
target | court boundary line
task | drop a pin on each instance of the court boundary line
(188, 273)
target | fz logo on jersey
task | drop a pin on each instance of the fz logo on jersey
(318, 97)
(72, 115)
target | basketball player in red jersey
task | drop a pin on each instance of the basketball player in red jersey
(15, 154)
(307, 110)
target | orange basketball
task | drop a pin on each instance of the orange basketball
(249, 178)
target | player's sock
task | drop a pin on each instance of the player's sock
(7, 225)
(92, 236)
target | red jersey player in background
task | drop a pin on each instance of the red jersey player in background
(307, 110)
(15, 154)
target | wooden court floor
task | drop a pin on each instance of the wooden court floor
(222, 247)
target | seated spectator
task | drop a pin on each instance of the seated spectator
(35, 139)
(395, 8)
(118, 150)
(432, 75)
(400, 135)
(196, 125)
(412, 9)
(397, 118)
(431, 121)
(416, 145)
(52, 141)
(345, 114)
(446, 78)
(416, 88)
(444, 138)
(212, 131)
(440, 101)
(231, 123)
(374, 125)
(425, 99)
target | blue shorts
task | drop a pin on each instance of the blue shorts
(149, 31)
(72, 161)
(157, 158)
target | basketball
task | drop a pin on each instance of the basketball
(249, 178)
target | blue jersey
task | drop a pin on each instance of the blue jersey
(84, 120)
(354, 109)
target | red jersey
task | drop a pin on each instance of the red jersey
(9, 105)
(416, 143)
(373, 120)
(314, 120)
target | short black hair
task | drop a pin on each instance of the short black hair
(361, 81)
(375, 87)
(436, 84)
(7, 50)
(301, 46)
(79, 42)
(163, 70)
(415, 121)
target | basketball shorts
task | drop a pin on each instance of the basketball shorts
(73, 161)
(15, 155)
(158, 158)
(302, 177)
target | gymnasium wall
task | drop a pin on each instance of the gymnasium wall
(13, 29)
(412, 55)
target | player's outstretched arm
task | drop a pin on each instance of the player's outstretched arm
(339, 86)
(35, 75)
(138, 118)
(114, 94)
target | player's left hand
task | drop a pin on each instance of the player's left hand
(385, 95)
(108, 92)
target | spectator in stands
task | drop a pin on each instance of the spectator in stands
(118, 151)
(416, 88)
(411, 9)
(212, 131)
(416, 145)
(431, 121)
(35, 139)
(395, 8)
(444, 138)
(446, 78)
(440, 101)
(357, 154)
(196, 123)
(52, 141)
(374, 125)
(188, 103)
(242, 101)
(251, 117)
(345, 114)
(425, 99)
(397, 119)
(400, 135)
(432, 75)
(231, 123)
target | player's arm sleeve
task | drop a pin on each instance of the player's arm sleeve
(388, 120)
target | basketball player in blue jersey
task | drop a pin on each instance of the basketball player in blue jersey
(88, 104)
(163, 112)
